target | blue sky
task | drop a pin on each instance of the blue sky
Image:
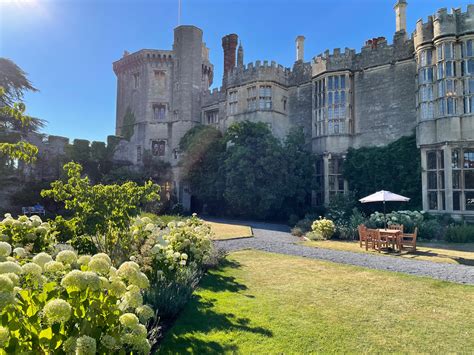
(67, 46)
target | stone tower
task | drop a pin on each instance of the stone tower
(300, 48)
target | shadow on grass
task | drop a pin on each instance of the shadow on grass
(200, 318)
(459, 260)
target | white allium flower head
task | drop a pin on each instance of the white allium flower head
(67, 257)
(57, 311)
(5, 249)
(85, 345)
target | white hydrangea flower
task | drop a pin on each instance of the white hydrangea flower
(85, 345)
(42, 258)
(104, 257)
(139, 279)
(4, 336)
(84, 259)
(6, 283)
(128, 269)
(67, 257)
(7, 267)
(6, 299)
(184, 256)
(99, 265)
(13, 277)
(57, 311)
(32, 269)
(129, 320)
(53, 266)
(117, 288)
(81, 280)
(23, 219)
(20, 252)
(69, 345)
(144, 313)
(146, 220)
(131, 299)
(5, 249)
(108, 342)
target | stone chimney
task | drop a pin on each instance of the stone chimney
(240, 56)
(401, 15)
(300, 48)
(229, 44)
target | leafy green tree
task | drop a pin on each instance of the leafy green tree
(101, 211)
(255, 171)
(300, 175)
(204, 148)
(395, 167)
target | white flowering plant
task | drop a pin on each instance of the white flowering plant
(324, 228)
(71, 304)
(28, 232)
(181, 244)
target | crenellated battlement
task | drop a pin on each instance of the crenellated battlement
(213, 97)
(133, 60)
(444, 23)
(376, 51)
(258, 71)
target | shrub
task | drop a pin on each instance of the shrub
(102, 211)
(30, 232)
(409, 219)
(297, 232)
(314, 236)
(430, 229)
(463, 233)
(324, 227)
(72, 304)
(347, 230)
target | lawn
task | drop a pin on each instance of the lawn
(437, 252)
(269, 303)
(229, 231)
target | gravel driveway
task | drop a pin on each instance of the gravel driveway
(276, 238)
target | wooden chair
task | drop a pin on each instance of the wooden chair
(409, 240)
(362, 234)
(394, 241)
(372, 239)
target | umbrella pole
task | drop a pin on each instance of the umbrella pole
(384, 217)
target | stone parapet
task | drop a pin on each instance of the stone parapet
(143, 56)
(258, 71)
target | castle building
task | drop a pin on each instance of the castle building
(341, 99)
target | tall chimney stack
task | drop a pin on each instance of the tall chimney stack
(401, 15)
(300, 48)
(229, 44)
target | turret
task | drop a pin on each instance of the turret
(240, 56)
(300, 48)
(401, 15)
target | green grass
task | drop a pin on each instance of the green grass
(224, 231)
(268, 303)
(451, 253)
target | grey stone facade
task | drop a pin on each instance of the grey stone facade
(342, 99)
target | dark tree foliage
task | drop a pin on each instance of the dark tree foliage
(248, 172)
(395, 167)
(14, 81)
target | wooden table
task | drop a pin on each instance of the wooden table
(393, 236)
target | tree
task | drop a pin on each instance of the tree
(255, 171)
(128, 124)
(14, 123)
(101, 211)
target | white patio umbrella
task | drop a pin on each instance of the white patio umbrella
(384, 196)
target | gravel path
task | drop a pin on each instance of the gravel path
(277, 239)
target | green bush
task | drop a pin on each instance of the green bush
(297, 232)
(71, 304)
(30, 232)
(409, 219)
(348, 230)
(463, 233)
(314, 236)
(430, 229)
(324, 227)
